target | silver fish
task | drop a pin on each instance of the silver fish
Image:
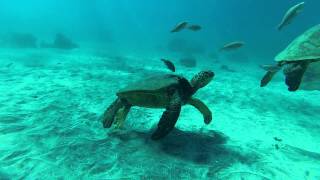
(232, 45)
(290, 15)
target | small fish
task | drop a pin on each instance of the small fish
(180, 26)
(169, 65)
(232, 46)
(277, 139)
(290, 15)
(226, 68)
(194, 27)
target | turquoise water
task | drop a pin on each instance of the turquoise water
(62, 63)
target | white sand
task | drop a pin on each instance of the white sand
(51, 101)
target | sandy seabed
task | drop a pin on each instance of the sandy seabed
(51, 101)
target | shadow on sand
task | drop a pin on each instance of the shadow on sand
(202, 148)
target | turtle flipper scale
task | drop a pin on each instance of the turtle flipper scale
(168, 118)
(109, 115)
(204, 110)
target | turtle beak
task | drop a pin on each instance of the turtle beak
(210, 74)
(207, 77)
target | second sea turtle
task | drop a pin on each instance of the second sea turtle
(295, 59)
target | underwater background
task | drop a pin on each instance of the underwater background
(53, 94)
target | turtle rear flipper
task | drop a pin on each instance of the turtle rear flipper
(205, 111)
(168, 118)
(109, 115)
(294, 73)
(121, 116)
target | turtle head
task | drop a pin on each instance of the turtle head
(201, 79)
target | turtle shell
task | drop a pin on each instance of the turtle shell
(152, 92)
(304, 47)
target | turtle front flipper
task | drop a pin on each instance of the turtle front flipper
(168, 118)
(294, 73)
(267, 78)
(109, 115)
(205, 111)
(271, 71)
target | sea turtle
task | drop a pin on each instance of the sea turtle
(296, 58)
(169, 91)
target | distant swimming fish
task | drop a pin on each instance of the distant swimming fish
(290, 15)
(277, 139)
(9, 65)
(60, 42)
(226, 68)
(180, 26)
(232, 46)
(169, 65)
(194, 27)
